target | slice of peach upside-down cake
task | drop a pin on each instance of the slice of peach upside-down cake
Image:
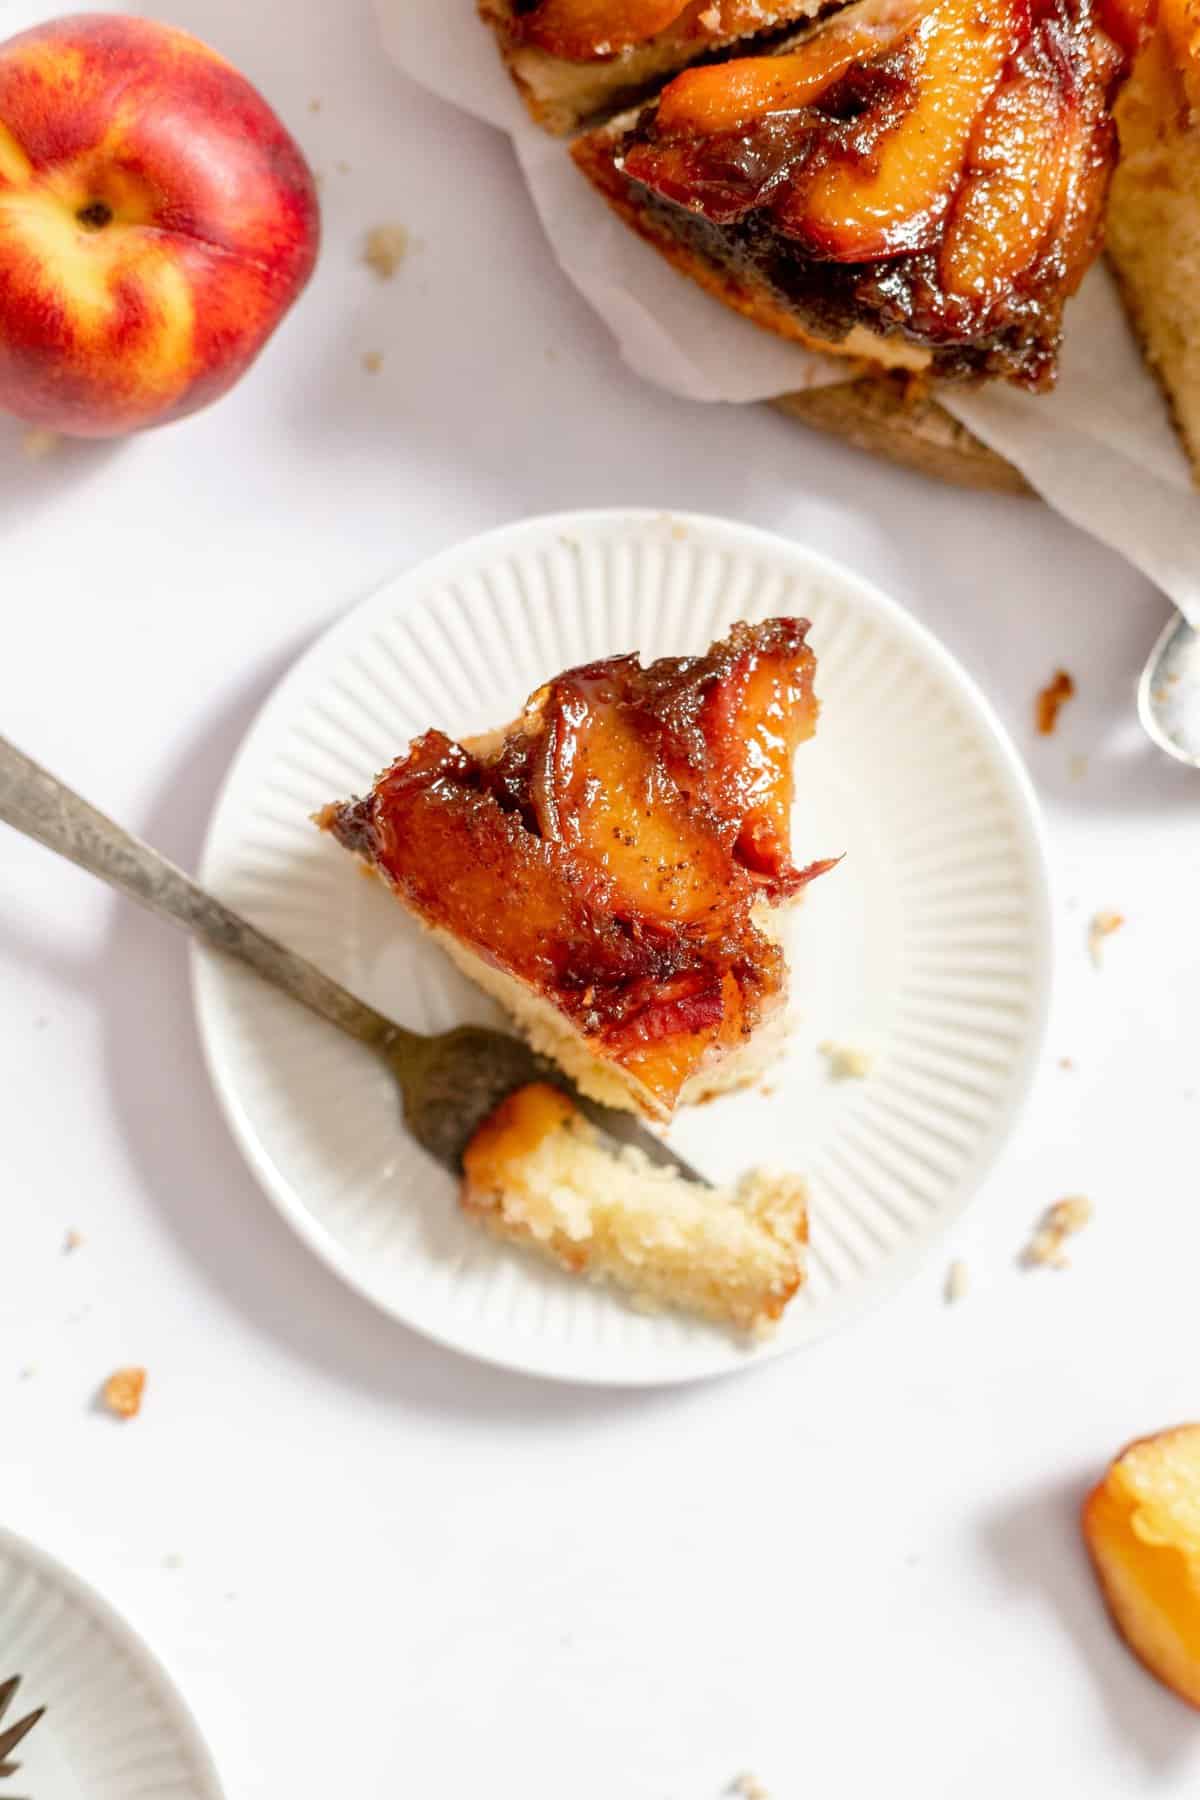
(610, 866)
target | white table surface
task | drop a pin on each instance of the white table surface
(855, 1572)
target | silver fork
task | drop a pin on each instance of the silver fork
(15, 1734)
(449, 1083)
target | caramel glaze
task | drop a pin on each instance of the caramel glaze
(736, 196)
(609, 850)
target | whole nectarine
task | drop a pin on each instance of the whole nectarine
(156, 222)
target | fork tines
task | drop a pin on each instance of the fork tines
(12, 1737)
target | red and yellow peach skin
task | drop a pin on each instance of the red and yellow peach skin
(156, 222)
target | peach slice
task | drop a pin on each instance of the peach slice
(1141, 1525)
(896, 200)
(602, 791)
(754, 723)
(729, 96)
(1013, 190)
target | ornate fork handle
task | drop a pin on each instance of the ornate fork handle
(36, 803)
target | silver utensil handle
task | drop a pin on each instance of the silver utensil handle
(35, 803)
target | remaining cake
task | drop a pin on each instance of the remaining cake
(575, 59)
(1154, 210)
(536, 1173)
(916, 182)
(607, 867)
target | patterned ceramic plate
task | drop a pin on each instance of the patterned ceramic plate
(115, 1729)
(929, 948)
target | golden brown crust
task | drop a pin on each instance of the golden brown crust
(898, 417)
(1136, 313)
(1154, 216)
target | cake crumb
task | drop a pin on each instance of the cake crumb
(748, 1787)
(38, 443)
(845, 1062)
(679, 533)
(1066, 1062)
(1057, 1224)
(173, 1561)
(1102, 926)
(372, 361)
(314, 105)
(386, 248)
(1077, 766)
(342, 167)
(1051, 699)
(71, 1241)
(122, 1393)
(958, 1283)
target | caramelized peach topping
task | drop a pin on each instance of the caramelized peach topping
(964, 145)
(609, 850)
(1142, 1529)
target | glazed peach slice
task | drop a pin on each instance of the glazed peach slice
(664, 1043)
(1018, 163)
(754, 723)
(729, 96)
(467, 865)
(769, 725)
(1142, 1529)
(600, 791)
(896, 200)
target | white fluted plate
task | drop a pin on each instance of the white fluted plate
(929, 946)
(115, 1727)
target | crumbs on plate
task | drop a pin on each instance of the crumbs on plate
(958, 1283)
(1058, 1223)
(1101, 927)
(845, 1062)
(122, 1393)
(386, 248)
(1051, 699)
